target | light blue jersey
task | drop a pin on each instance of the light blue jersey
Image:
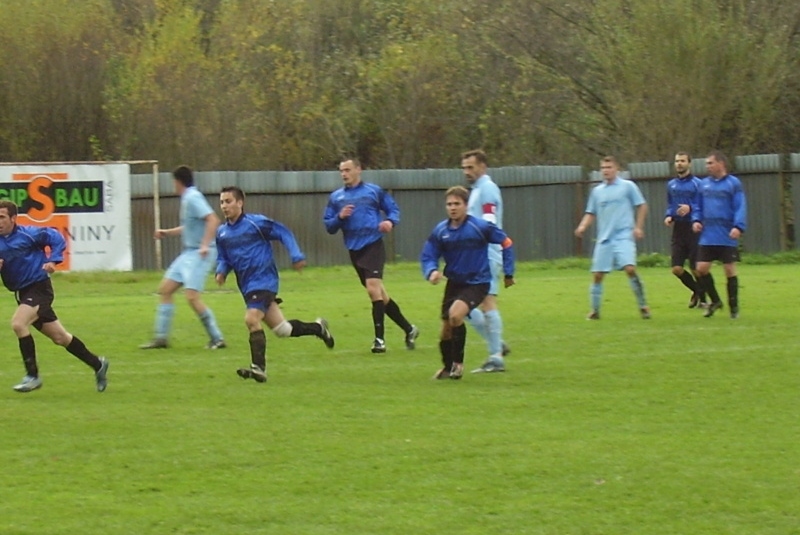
(486, 202)
(614, 207)
(194, 210)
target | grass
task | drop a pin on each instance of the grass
(677, 425)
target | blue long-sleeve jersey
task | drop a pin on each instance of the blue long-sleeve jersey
(23, 254)
(361, 228)
(245, 247)
(722, 207)
(464, 249)
(682, 190)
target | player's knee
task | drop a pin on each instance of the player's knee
(283, 329)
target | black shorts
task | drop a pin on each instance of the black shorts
(684, 244)
(261, 300)
(723, 253)
(471, 294)
(39, 294)
(369, 261)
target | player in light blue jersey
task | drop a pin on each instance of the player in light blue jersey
(721, 219)
(364, 212)
(462, 240)
(619, 208)
(198, 224)
(486, 202)
(245, 247)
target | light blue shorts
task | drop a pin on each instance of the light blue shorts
(613, 255)
(191, 270)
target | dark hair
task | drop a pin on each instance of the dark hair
(183, 174)
(356, 161)
(458, 191)
(10, 206)
(479, 155)
(720, 157)
(683, 153)
(611, 159)
(238, 194)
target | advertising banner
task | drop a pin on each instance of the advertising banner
(90, 205)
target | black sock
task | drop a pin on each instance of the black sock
(459, 341)
(733, 292)
(258, 349)
(688, 281)
(78, 348)
(446, 351)
(28, 350)
(301, 328)
(701, 293)
(393, 311)
(707, 283)
(378, 312)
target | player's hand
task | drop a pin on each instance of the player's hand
(1, 263)
(683, 209)
(346, 212)
(203, 250)
(638, 233)
(159, 233)
(435, 277)
(735, 233)
(579, 231)
(299, 265)
(668, 221)
(220, 278)
(49, 267)
(386, 226)
(508, 282)
(697, 226)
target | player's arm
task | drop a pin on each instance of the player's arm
(331, 218)
(279, 231)
(164, 232)
(641, 214)
(212, 223)
(739, 210)
(429, 259)
(586, 222)
(223, 263)
(389, 208)
(497, 235)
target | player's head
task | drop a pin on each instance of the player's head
(350, 169)
(683, 163)
(456, 199)
(8, 217)
(231, 202)
(184, 176)
(609, 167)
(717, 164)
(473, 164)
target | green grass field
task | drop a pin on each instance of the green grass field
(677, 425)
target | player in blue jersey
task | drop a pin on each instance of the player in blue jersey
(244, 245)
(486, 202)
(25, 267)
(462, 241)
(721, 219)
(198, 223)
(364, 212)
(682, 198)
(619, 208)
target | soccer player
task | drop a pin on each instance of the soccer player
(355, 209)
(197, 228)
(486, 202)
(25, 267)
(462, 240)
(721, 219)
(244, 247)
(682, 199)
(620, 209)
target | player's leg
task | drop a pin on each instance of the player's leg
(602, 262)
(172, 281)
(253, 316)
(625, 257)
(55, 331)
(705, 256)
(679, 255)
(21, 321)
(294, 328)
(729, 265)
(194, 282)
